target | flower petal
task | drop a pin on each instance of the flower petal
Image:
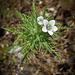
(52, 22)
(45, 22)
(54, 28)
(50, 32)
(44, 29)
(40, 17)
(40, 22)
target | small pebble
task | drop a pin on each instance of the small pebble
(63, 60)
(19, 55)
(7, 33)
(51, 9)
(15, 50)
(21, 68)
(2, 45)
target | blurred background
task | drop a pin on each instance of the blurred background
(63, 11)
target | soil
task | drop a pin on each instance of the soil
(42, 63)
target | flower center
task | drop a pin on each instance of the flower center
(48, 26)
(40, 20)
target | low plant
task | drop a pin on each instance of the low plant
(36, 32)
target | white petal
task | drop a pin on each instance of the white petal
(40, 17)
(44, 29)
(50, 32)
(54, 28)
(52, 22)
(40, 22)
(45, 22)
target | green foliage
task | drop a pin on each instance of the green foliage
(14, 59)
(61, 28)
(4, 53)
(31, 36)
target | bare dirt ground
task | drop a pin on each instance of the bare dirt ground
(42, 63)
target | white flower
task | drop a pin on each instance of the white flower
(45, 22)
(50, 28)
(40, 20)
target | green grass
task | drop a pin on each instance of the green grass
(31, 35)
